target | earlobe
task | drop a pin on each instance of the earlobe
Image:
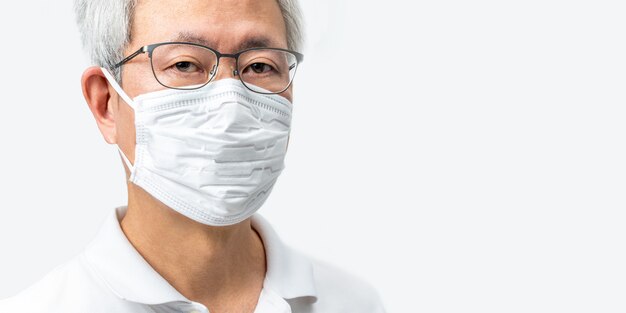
(99, 99)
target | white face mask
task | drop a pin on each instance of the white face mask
(212, 154)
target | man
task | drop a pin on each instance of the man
(197, 97)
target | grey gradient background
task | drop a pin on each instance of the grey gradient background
(462, 156)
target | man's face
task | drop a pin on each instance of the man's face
(227, 26)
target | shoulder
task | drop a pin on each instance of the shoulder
(70, 287)
(342, 291)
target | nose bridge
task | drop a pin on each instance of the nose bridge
(228, 64)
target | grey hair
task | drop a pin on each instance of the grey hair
(104, 27)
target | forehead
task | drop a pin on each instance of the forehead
(226, 25)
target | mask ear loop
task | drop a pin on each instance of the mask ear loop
(126, 160)
(129, 101)
(117, 87)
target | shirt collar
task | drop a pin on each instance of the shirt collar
(127, 274)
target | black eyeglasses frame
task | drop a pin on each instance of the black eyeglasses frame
(150, 48)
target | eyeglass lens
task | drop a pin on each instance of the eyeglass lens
(185, 66)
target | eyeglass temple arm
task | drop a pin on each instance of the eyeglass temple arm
(134, 54)
(299, 59)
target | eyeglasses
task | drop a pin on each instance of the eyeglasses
(185, 65)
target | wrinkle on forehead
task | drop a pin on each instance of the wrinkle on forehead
(232, 23)
(249, 41)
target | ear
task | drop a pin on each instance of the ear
(100, 101)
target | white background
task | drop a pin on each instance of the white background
(462, 156)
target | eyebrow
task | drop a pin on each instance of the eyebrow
(247, 43)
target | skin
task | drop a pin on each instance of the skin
(220, 267)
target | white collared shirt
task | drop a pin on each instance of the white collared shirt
(111, 276)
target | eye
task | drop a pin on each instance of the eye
(186, 67)
(260, 68)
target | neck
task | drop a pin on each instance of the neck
(204, 263)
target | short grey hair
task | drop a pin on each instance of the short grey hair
(104, 27)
